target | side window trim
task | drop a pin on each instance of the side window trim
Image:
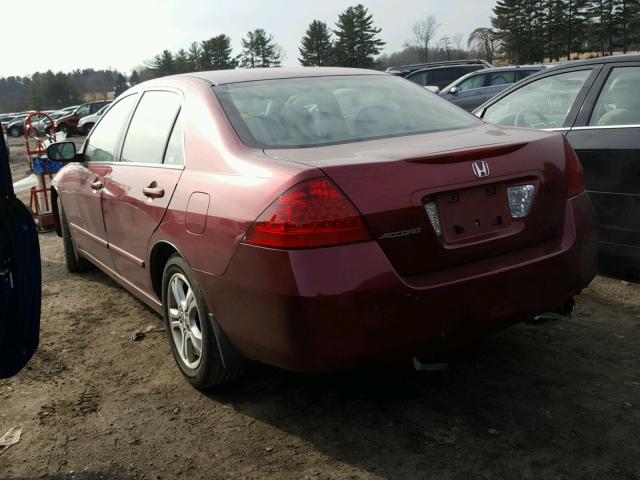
(166, 144)
(584, 116)
(572, 115)
(118, 147)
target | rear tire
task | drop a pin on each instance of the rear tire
(15, 132)
(75, 263)
(191, 336)
(87, 128)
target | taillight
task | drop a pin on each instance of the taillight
(313, 213)
(574, 171)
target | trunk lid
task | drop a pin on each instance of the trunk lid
(391, 182)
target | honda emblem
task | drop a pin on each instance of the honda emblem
(481, 169)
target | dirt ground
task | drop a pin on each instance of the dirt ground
(559, 399)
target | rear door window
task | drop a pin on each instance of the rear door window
(471, 83)
(104, 136)
(502, 78)
(83, 110)
(150, 127)
(543, 103)
(619, 100)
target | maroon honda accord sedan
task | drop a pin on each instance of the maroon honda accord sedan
(318, 218)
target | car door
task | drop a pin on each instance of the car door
(606, 136)
(140, 185)
(81, 187)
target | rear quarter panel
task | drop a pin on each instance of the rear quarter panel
(240, 182)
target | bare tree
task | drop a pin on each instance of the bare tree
(484, 40)
(458, 39)
(424, 31)
(445, 41)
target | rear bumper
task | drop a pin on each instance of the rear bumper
(332, 308)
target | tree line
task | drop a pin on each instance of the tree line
(50, 91)
(354, 42)
(522, 31)
(528, 31)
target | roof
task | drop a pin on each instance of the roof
(219, 77)
(600, 60)
(514, 67)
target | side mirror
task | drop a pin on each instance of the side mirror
(454, 90)
(433, 89)
(62, 152)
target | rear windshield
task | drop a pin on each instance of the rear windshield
(314, 111)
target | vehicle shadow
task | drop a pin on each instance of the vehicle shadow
(509, 404)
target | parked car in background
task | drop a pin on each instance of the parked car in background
(9, 119)
(44, 125)
(20, 286)
(436, 78)
(86, 123)
(16, 127)
(69, 109)
(595, 104)
(265, 221)
(69, 123)
(477, 87)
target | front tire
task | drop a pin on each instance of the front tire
(87, 128)
(75, 263)
(15, 132)
(191, 335)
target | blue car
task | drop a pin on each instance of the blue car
(475, 88)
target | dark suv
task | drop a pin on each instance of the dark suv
(69, 123)
(437, 75)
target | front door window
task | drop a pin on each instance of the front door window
(544, 103)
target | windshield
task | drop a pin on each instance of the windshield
(314, 111)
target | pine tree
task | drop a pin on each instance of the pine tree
(216, 53)
(626, 16)
(357, 41)
(121, 85)
(507, 24)
(163, 64)
(195, 56)
(574, 25)
(181, 62)
(134, 79)
(259, 50)
(316, 49)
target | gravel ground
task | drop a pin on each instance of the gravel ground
(559, 399)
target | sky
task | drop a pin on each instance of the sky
(122, 34)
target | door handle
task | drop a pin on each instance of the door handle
(97, 184)
(153, 191)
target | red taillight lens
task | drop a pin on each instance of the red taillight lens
(574, 171)
(314, 213)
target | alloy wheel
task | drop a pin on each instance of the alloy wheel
(184, 320)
